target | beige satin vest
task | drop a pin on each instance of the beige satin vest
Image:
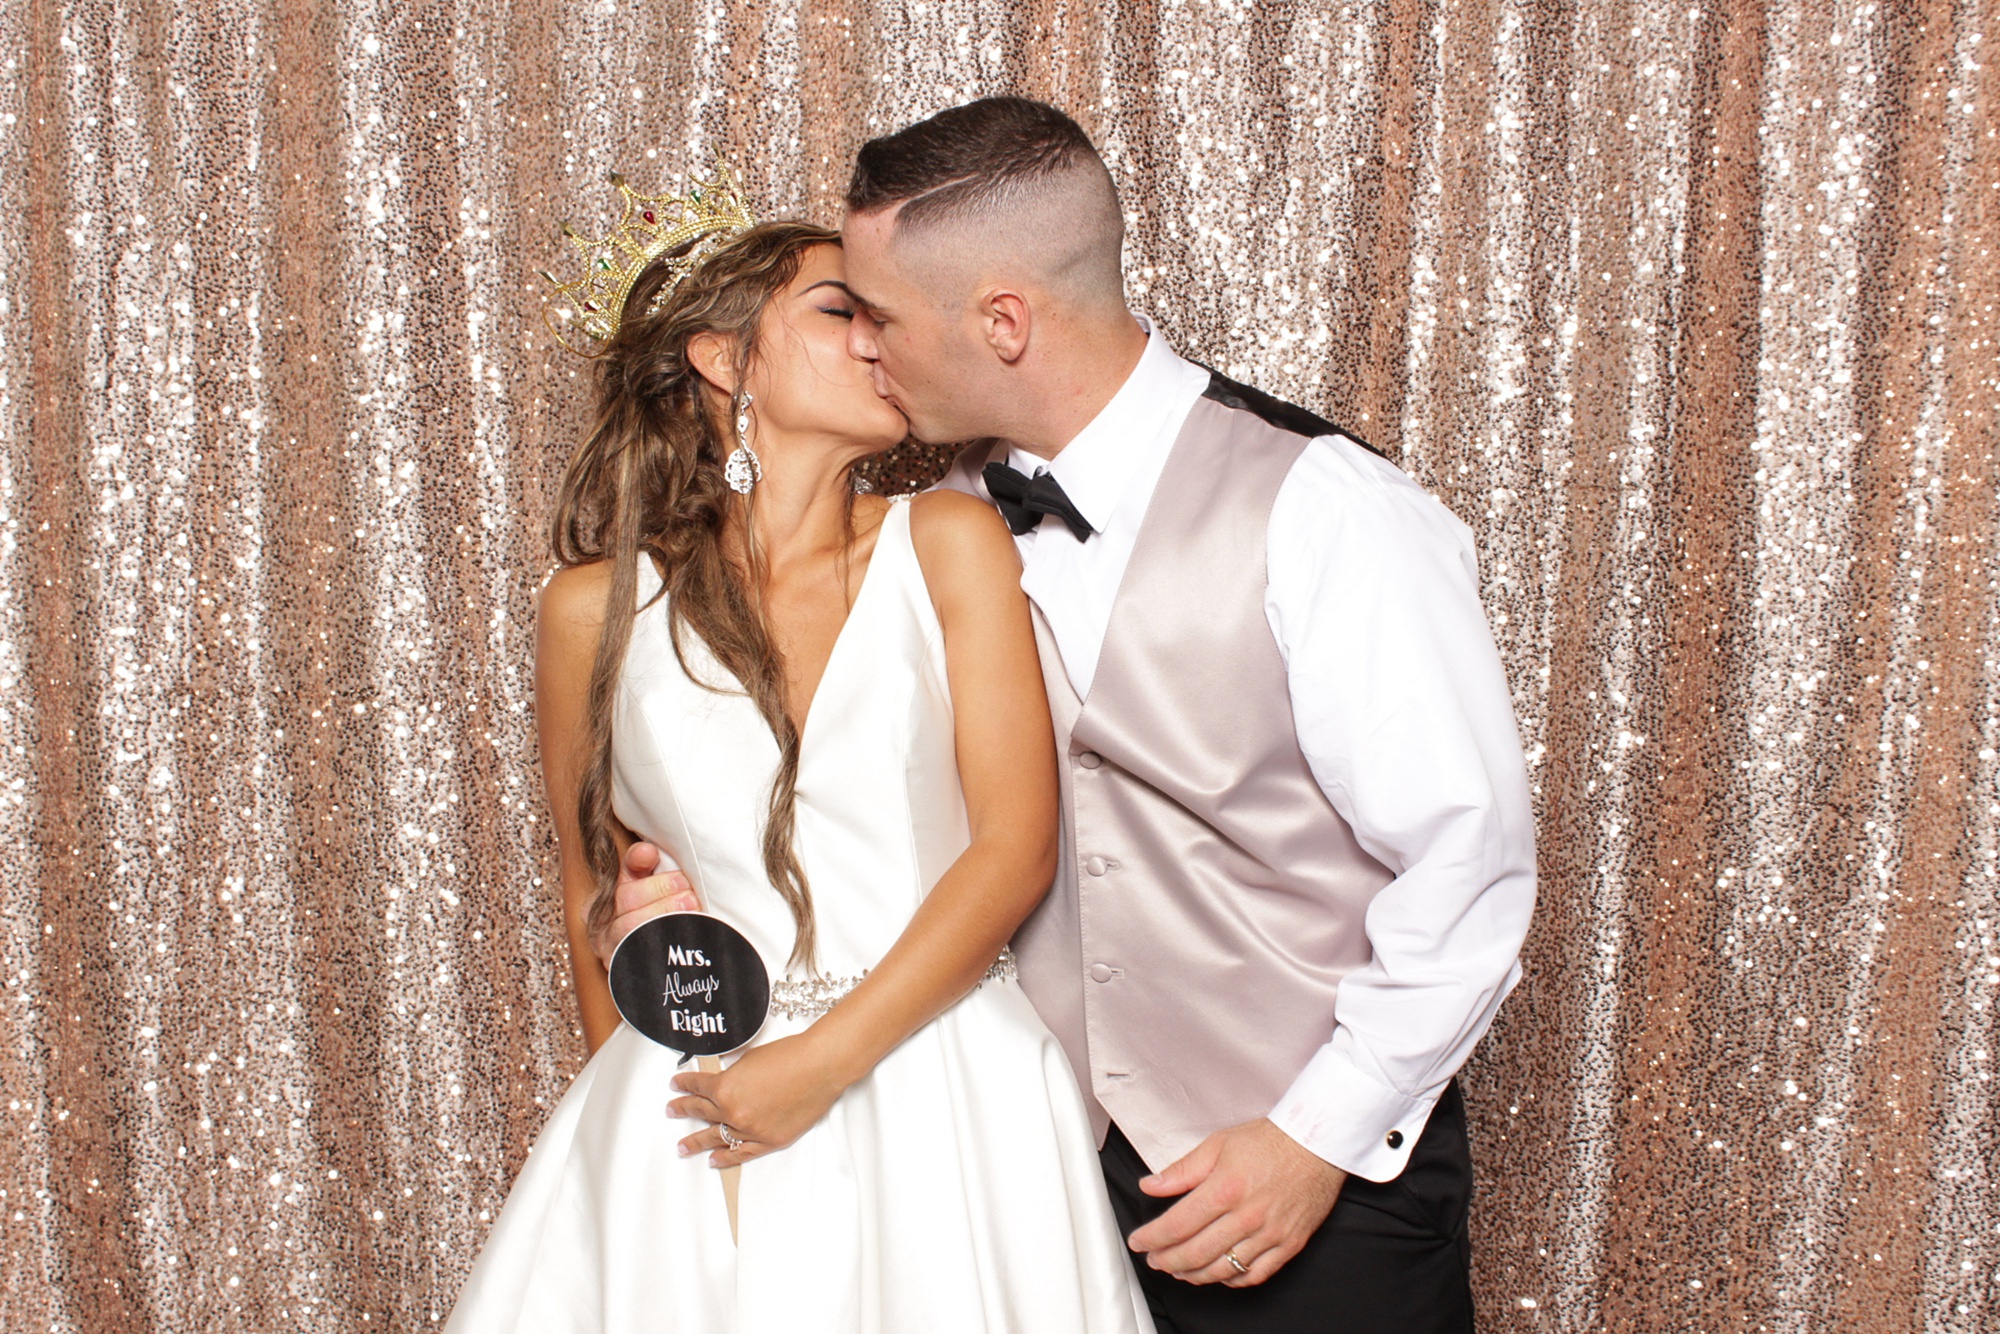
(1209, 898)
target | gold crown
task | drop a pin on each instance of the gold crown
(687, 227)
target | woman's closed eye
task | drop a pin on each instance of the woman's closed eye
(844, 312)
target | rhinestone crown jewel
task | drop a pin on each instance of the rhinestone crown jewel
(687, 227)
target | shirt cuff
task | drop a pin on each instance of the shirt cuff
(1351, 1119)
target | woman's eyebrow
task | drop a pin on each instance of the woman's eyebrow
(852, 294)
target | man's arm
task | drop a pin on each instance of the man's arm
(1403, 713)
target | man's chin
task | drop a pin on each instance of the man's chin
(934, 434)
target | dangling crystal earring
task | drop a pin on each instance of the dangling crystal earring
(743, 471)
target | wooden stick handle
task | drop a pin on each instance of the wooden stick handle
(732, 1177)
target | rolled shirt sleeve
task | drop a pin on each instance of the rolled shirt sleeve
(1404, 715)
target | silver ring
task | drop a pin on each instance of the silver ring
(729, 1138)
(1234, 1263)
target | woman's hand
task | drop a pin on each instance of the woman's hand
(769, 1097)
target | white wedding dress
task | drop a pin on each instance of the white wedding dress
(954, 1190)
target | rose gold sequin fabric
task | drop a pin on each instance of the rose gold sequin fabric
(1687, 308)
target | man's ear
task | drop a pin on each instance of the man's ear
(713, 355)
(1007, 321)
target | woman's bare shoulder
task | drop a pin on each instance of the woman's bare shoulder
(584, 588)
(966, 554)
(571, 606)
(951, 526)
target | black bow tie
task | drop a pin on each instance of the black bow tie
(1023, 500)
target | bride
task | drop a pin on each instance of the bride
(825, 707)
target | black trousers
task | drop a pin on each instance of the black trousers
(1392, 1258)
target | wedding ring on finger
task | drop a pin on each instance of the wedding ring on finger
(1234, 1263)
(729, 1138)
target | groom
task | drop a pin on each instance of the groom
(1298, 857)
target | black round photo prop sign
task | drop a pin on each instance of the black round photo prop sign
(692, 983)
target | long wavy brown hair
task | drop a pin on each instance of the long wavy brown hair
(649, 478)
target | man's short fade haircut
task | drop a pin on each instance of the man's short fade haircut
(964, 159)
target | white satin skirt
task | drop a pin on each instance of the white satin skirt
(955, 1190)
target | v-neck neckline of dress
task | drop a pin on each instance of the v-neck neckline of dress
(847, 622)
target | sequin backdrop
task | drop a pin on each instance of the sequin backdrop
(1687, 307)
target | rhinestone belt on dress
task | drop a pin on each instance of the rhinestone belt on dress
(809, 998)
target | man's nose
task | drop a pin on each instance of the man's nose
(861, 337)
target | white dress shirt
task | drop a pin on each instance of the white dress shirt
(1403, 714)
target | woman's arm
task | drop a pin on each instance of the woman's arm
(1007, 767)
(568, 626)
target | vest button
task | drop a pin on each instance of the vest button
(1102, 972)
(1089, 759)
(1394, 1139)
(1096, 866)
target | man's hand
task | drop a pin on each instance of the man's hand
(1252, 1189)
(642, 896)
